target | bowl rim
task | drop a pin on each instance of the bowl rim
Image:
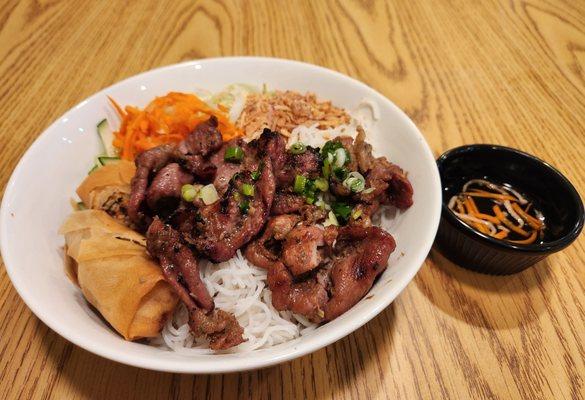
(220, 366)
(547, 247)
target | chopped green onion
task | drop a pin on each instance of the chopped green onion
(355, 182)
(337, 155)
(341, 210)
(326, 168)
(331, 220)
(244, 206)
(340, 157)
(188, 192)
(340, 173)
(320, 203)
(298, 148)
(300, 183)
(233, 154)
(208, 194)
(321, 184)
(309, 199)
(235, 177)
(255, 175)
(247, 189)
(356, 213)
(330, 147)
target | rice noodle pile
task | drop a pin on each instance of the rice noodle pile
(283, 111)
(240, 288)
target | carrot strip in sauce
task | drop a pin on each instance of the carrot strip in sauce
(507, 222)
(487, 217)
(501, 235)
(529, 240)
(472, 205)
(533, 222)
(468, 206)
(481, 227)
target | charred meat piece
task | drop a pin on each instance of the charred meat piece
(221, 328)
(389, 182)
(362, 151)
(307, 164)
(312, 215)
(189, 154)
(308, 285)
(307, 298)
(199, 166)
(361, 255)
(203, 141)
(364, 213)
(147, 164)
(181, 271)
(299, 286)
(302, 251)
(164, 243)
(227, 169)
(287, 203)
(265, 251)
(272, 144)
(391, 186)
(166, 187)
(226, 225)
(287, 165)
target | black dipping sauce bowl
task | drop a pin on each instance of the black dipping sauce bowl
(549, 190)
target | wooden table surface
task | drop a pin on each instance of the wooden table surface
(509, 72)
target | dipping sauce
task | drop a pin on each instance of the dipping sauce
(498, 211)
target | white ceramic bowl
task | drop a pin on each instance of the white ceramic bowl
(36, 202)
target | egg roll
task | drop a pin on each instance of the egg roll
(108, 189)
(110, 264)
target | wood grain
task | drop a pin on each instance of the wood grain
(508, 72)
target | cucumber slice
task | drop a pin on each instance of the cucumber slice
(105, 160)
(107, 138)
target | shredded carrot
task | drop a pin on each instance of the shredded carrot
(119, 109)
(500, 225)
(501, 235)
(468, 206)
(167, 119)
(481, 227)
(533, 222)
(487, 217)
(528, 240)
(507, 222)
(472, 205)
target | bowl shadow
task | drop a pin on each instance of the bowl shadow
(487, 301)
(322, 374)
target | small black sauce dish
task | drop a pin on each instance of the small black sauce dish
(550, 191)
